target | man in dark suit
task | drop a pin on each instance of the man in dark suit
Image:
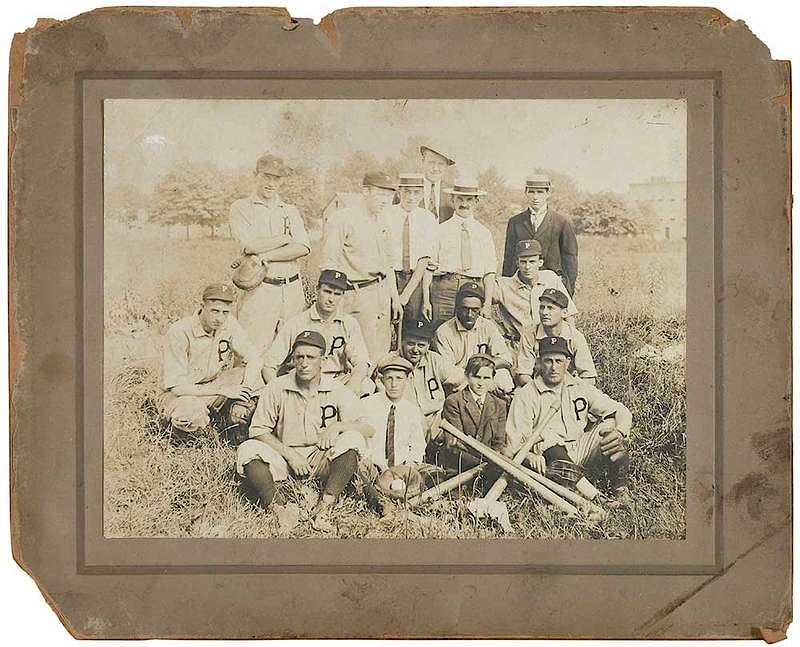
(434, 163)
(475, 411)
(554, 232)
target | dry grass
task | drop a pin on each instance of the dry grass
(155, 488)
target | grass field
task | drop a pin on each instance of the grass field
(630, 293)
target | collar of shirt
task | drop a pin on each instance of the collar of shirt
(197, 328)
(569, 381)
(314, 315)
(257, 199)
(478, 400)
(460, 327)
(537, 220)
(566, 331)
(326, 384)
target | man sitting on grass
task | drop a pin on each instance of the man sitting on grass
(200, 371)
(553, 306)
(567, 436)
(306, 423)
(346, 359)
(475, 411)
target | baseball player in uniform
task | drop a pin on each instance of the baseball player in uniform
(465, 253)
(346, 358)
(199, 363)
(266, 226)
(410, 237)
(469, 334)
(553, 305)
(432, 376)
(518, 295)
(306, 424)
(353, 243)
(568, 436)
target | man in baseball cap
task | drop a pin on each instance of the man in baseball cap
(305, 423)
(346, 358)
(202, 366)
(273, 232)
(555, 233)
(468, 334)
(353, 243)
(553, 306)
(570, 436)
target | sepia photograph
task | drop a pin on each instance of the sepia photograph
(395, 318)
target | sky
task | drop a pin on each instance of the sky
(604, 145)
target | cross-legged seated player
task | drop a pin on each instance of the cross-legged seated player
(305, 424)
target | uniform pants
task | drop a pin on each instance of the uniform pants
(371, 306)
(255, 449)
(189, 413)
(413, 309)
(443, 295)
(265, 308)
(586, 452)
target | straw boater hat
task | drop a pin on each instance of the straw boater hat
(411, 180)
(538, 181)
(439, 150)
(465, 186)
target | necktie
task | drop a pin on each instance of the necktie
(390, 438)
(407, 244)
(432, 206)
(466, 247)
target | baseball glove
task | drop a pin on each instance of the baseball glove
(400, 482)
(564, 473)
(248, 272)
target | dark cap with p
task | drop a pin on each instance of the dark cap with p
(334, 278)
(310, 338)
(555, 296)
(219, 292)
(551, 345)
(529, 248)
(418, 329)
(271, 165)
(380, 180)
(394, 361)
(470, 289)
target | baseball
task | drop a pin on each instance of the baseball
(398, 485)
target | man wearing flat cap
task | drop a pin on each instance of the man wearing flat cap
(202, 365)
(353, 243)
(553, 306)
(554, 233)
(518, 295)
(434, 163)
(305, 424)
(468, 334)
(410, 239)
(273, 231)
(346, 357)
(465, 253)
(570, 436)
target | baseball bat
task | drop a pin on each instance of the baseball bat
(574, 497)
(445, 486)
(511, 468)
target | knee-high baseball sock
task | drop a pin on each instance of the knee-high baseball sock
(556, 453)
(341, 471)
(260, 480)
(618, 471)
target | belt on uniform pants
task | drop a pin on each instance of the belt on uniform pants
(454, 275)
(283, 280)
(363, 284)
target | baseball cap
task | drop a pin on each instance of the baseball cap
(309, 338)
(553, 345)
(380, 180)
(219, 292)
(393, 360)
(470, 289)
(529, 248)
(419, 329)
(270, 164)
(556, 296)
(334, 278)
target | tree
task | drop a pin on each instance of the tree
(607, 214)
(124, 202)
(348, 174)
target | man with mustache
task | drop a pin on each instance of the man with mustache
(272, 230)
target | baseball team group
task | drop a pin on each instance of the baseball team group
(416, 365)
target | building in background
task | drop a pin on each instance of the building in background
(666, 199)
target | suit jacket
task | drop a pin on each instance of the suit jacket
(559, 245)
(488, 425)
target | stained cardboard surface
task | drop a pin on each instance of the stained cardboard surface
(730, 578)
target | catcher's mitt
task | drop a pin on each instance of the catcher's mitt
(248, 272)
(400, 482)
(564, 473)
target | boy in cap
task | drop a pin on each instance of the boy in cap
(468, 334)
(518, 295)
(432, 376)
(273, 230)
(199, 360)
(553, 306)
(346, 358)
(352, 243)
(465, 253)
(477, 412)
(554, 232)
(434, 163)
(569, 436)
(306, 424)
(410, 237)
